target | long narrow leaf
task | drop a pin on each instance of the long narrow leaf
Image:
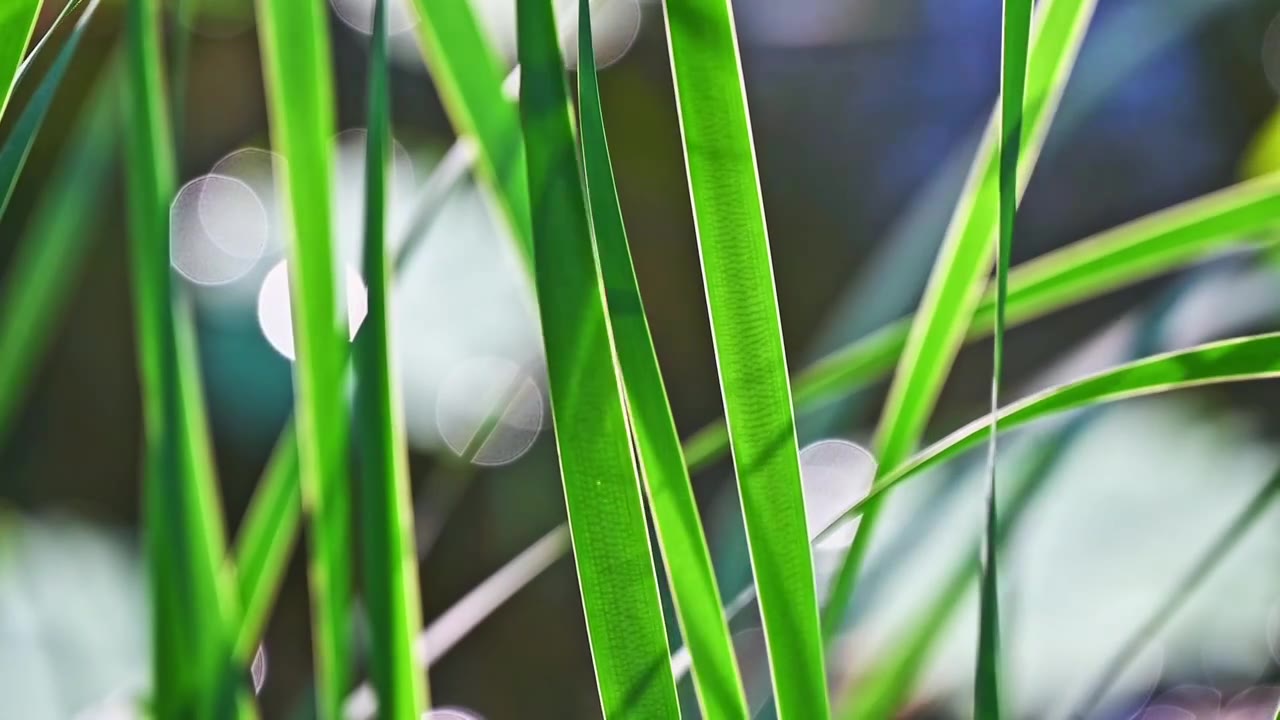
(53, 249)
(390, 564)
(193, 669)
(17, 22)
(602, 493)
(671, 501)
(469, 77)
(737, 270)
(1255, 357)
(1016, 28)
(13, 155)
(298, 72)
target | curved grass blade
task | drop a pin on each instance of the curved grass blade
(886, 687)
(469, 77)
(672, 504)
(1016, 28)
(959, 274)
(298, 73)
(1158, 243)
(1199, 572)
(602, 493)
(1254, 357)
(54, 247)
(17, 23)
(16, 148)
(194, 672)
(390, 564)
(742, 302)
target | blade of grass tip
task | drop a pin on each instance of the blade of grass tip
(298, 74)
(470, 77)
(1183, 590)
(17, 23)
(390, 563)
(671, 501)
(746, 330)
(607, 523)
(1253, 357)
(13, 155)
(53, 249)
(192, 662)
(1158, 243)
(1016, 28)
(271, 521)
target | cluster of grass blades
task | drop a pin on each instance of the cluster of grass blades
(618, 448)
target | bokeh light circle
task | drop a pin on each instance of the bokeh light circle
(258, 670)
(835, 475)
(258, 169)
(489, 411)
(274, 308)
(1271, 54)
(358, 15)
(217, 230)
(451, 713)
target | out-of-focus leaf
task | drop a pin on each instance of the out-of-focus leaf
(294, 37)
(53, 249)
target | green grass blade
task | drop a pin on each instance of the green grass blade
(390, 563)
(13, 154)
(17, 22)
(298, 73)
(606, 512)
(1254, 357)
(959, 274)
(672, 504)
(1199, 572)
(54, 247)
(1016, 28)
(469, 76)
(266, 540)
(733, 241)
(194, 673)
